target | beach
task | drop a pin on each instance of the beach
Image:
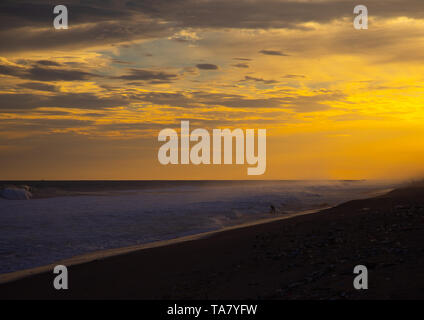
(305, 257)
(211, 150)
(83, 217)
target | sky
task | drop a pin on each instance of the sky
(88, 102)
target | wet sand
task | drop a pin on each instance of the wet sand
(305, 257)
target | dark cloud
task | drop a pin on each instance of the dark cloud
(37, 86)
(49, 74)
(52, 113)
(93, 114)
(241, 65)
(39, 14)
(133, 126)
(14, 102)
(206, 100)
(225, 123)
(117, 61)
(298, 103)
(177, 99)
(119, 22)
(20, 102)
(82, 36)
(294, 76)
(49, 63)
(64, 123)
(249, 78)
(27, 25)
(86, 101)
(146, 75)
(207, 66)
(44, 74)
(268, 13)
(273, 53)
(208, 13)
(45, 124)
(8, 70)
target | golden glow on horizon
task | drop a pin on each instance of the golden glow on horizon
(339, 104)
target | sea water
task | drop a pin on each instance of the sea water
(41, 231)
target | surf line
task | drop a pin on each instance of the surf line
(177, 150)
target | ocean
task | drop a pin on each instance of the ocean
(41, 231)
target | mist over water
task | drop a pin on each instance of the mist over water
(41, 231)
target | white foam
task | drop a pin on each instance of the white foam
(15, 194)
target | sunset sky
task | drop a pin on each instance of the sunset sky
(88, 102)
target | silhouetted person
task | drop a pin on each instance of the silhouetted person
(273, 211)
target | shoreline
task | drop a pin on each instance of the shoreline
(103, 254)
(106, 253)
(309, 256)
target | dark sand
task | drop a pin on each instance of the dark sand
(307, 257)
